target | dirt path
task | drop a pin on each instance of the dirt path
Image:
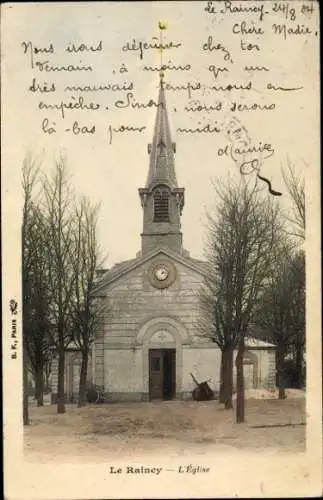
(173, 428)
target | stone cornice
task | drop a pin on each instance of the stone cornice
(133, 264)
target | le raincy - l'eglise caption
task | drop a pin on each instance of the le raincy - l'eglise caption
(141, 469)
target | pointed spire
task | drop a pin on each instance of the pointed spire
(162, 149)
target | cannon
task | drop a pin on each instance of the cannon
(94, 395)
(202, 391)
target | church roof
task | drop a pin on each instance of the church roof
(162, 149)
(253, 342)
(119, 270)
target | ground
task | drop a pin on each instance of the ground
(96, 432)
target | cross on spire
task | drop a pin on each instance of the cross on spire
(162, 25)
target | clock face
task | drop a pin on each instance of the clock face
(162, 273)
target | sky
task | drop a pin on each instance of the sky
(110, 174)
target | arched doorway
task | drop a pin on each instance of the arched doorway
(162, 374)
(162, 340)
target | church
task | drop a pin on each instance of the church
(148, 345)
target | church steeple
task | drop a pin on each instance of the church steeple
(162, 149)
(162, 200)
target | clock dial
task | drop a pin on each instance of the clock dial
(161, 273)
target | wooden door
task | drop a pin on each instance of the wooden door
(169, 374)
(156, 377)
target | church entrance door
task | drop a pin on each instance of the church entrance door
(162, 375)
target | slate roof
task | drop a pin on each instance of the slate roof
(162, 149)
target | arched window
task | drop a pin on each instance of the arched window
(161, 205)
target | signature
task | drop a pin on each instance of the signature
(250, 160)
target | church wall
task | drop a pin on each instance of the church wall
(265, 370)
(124, 376)
(270, 381)
(161, 234)
(204, 364)
(98, 354)
(99, 363)
(134, 301)
(172, 241)
(267, 367)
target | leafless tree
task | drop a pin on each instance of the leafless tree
(86, 311)
(33, 332)
(30, 170)
(295, 186)
(58, 198)
(60, 259)
(298, 311)
(241, 237)
(37, 298)
(281, 310)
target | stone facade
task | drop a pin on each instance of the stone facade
(141, 317)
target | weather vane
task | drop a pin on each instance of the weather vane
(162, 25)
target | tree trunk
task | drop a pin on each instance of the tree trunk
(299, 365)
(227, 377)
(61, 380)
(280, 372)
(277, 363)
(47, 375)
(40, 386)
(240, 383)
(221, 392)
(25, 388)
(83, 377)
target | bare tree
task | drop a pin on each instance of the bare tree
(37, 321)
(241, 237)
(298, 311)
(61, 276)
(60, 259)
(295, 185)
(30, 171)
(86, 311)
(281, 309)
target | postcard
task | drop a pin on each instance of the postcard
(161, 249)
